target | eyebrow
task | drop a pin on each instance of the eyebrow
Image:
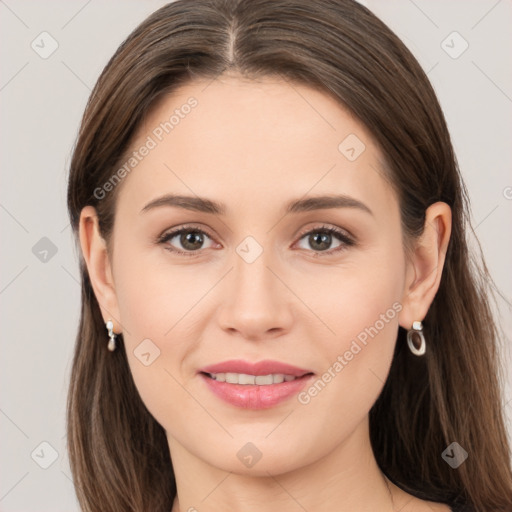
(202, 204)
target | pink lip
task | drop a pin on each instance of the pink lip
(260, 368)
(254, 396)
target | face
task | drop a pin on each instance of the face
(271, 277)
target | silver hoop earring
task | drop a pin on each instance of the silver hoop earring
(112, 335)
(416, 332)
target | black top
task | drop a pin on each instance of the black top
(461, 508)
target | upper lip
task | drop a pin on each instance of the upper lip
(266, 367)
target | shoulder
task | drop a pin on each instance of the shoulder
(431, 506)
(409, 503)
(406, 502)
(462, 508)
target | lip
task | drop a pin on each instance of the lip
(247, 396)
(260, 368)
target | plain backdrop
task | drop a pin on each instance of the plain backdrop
(42, 98)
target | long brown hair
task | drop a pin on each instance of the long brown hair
(118, 452)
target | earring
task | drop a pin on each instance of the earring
(112, 336)
(416, 331)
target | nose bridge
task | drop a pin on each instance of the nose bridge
(251, 272)
(256, 300)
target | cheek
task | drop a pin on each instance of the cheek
(359, 354)
(156, 345)
(154, 294)
(157, 305)
(361, 301)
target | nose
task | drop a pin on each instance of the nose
(256, 303)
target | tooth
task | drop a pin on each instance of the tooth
(264, 379)
(232, 378)
(246, 379)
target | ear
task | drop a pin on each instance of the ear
(425, 265)
(94, 250)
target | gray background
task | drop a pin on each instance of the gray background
(42, 100)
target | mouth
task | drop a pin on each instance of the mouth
(254, 385)
(245, 379)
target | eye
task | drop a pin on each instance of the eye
(320, 240)
(190, 239)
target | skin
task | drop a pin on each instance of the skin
(255, 146)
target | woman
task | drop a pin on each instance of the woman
(278, 306)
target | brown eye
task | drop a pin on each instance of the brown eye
(188, 240)
(191, 240)
(321, 240)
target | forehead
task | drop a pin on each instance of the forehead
(247, 141)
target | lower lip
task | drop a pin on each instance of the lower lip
(249, 396)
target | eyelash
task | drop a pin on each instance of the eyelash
(342, 236)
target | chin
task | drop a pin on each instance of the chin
(257, 458)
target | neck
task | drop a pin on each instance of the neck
(346, 480)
